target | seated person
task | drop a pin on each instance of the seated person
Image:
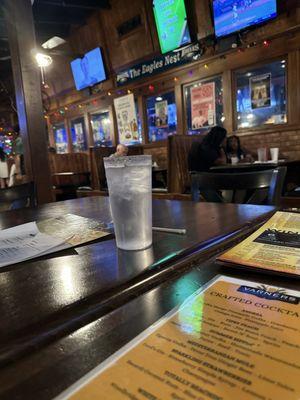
(235, 150)
(121, 151)
(204, 155)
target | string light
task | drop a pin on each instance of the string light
(128, 91)
(266, 43)
(206, 66)
(109, 93)
(66, 108)
(191, 73)
(151, 88)
(175, 79)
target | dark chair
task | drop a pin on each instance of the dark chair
(19, 196)
(261, 187)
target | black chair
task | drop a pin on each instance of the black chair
(260, 187)
(19, 196)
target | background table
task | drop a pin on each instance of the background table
(45, 300)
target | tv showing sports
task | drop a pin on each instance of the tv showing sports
(234, 15)
(89, 70)
(171, 24)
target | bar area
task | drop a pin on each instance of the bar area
(150, 199)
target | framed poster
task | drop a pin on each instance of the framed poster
(203, 104)
(260, 89)
(161, 114)
(126, 119)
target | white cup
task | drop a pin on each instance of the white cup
(234, 160)
(274, 154)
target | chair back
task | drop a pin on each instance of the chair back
(178, 172)
(69, 162)
(19, 196)
(97, 164)
(259, 187)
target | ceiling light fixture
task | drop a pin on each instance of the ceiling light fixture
(53, 42)
(43, 60)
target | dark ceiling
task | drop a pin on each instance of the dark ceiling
(55, 18)
(51, 18)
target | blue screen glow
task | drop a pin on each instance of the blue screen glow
(233, 15)
(89, 70)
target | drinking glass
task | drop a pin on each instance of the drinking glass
(129, 181)
(274, 153)
(262, 154)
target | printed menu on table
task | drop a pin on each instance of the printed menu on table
(235, 339)
(275, 246)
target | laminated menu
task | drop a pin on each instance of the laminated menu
(234, 339)
(273, 247)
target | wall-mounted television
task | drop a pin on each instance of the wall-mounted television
(89, 70)
(171, 24)
(234, 15)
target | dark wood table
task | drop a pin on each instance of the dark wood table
(70, 306)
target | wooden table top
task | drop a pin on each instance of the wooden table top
(47, 299)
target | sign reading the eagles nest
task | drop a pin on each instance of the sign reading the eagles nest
(234, 340)
(275, 246)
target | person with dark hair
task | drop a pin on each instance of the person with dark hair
(204, 155)
(3, 168)
(18, 152)
(234, 151)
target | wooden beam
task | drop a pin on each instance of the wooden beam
(20, 28)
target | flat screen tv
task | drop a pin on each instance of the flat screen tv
(234, 15)
(171, 24)
(89, 70)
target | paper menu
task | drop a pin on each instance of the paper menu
(31, 240)
(74, 229)
(23, 242)
(275, 246)
(234, 340)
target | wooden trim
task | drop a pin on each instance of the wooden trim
(155, 145)
(142, 112)
(293, 83)
(88, 130)
(67, 123)
(179, 110)
(228, 105)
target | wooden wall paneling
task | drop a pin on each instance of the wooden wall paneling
(151, 24)
(180, 109)
(202, 12)
(293, 83)
(143, 117)
(228, 101)
(50, 133)
(133, 46)
(21, 34)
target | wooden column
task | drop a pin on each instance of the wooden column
(21, 35)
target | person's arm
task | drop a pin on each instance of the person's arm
(222, 159)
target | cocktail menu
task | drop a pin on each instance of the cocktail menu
(273, 247)
(234, 339)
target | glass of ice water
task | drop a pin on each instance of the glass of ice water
(129, 181)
